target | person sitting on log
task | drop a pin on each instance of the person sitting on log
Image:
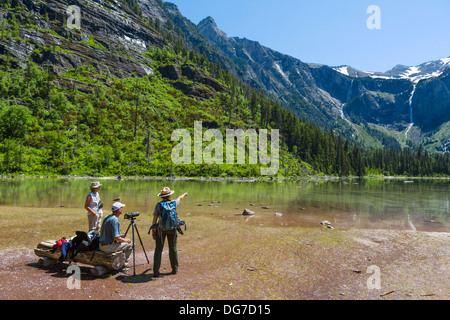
(110, 238)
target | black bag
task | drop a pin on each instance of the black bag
(85, 242)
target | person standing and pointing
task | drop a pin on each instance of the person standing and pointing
(159, 235)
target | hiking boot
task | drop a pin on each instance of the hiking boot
(156, 275)
(174, 271)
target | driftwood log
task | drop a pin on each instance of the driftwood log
(111, 261)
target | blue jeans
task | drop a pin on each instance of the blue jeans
(66, 246)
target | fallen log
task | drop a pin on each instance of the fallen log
(112, 261)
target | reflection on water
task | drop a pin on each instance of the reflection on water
(394, 204)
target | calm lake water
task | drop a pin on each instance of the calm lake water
(422, 205)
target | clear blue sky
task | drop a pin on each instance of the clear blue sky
(334, 32)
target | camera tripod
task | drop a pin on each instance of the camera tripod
(133, 228)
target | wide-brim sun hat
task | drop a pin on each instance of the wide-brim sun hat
(165, 192)
(95, 184)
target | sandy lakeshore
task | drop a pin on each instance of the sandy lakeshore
(223, 259)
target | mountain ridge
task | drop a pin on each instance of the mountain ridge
(354, 102)
(100, 100)
(426, 70)
(403, 107)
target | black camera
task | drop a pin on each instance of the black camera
(131, 215)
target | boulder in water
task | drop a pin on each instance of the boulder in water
(248, 212)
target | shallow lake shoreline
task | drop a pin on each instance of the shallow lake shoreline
(301, 264)
(224, 255)
(231, 179)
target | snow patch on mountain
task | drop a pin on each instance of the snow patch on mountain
(431, 69)
(343, 70)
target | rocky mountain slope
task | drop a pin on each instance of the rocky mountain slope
(421, 104)
(406, 106)
(109, 37)
(104, 98)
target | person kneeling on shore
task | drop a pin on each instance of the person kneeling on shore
(110, 238)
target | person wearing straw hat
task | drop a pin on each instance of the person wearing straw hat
(160, 235)
(93, 206)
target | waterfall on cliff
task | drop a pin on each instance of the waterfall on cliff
(411, 116)
(341, 110)
(410, 104)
